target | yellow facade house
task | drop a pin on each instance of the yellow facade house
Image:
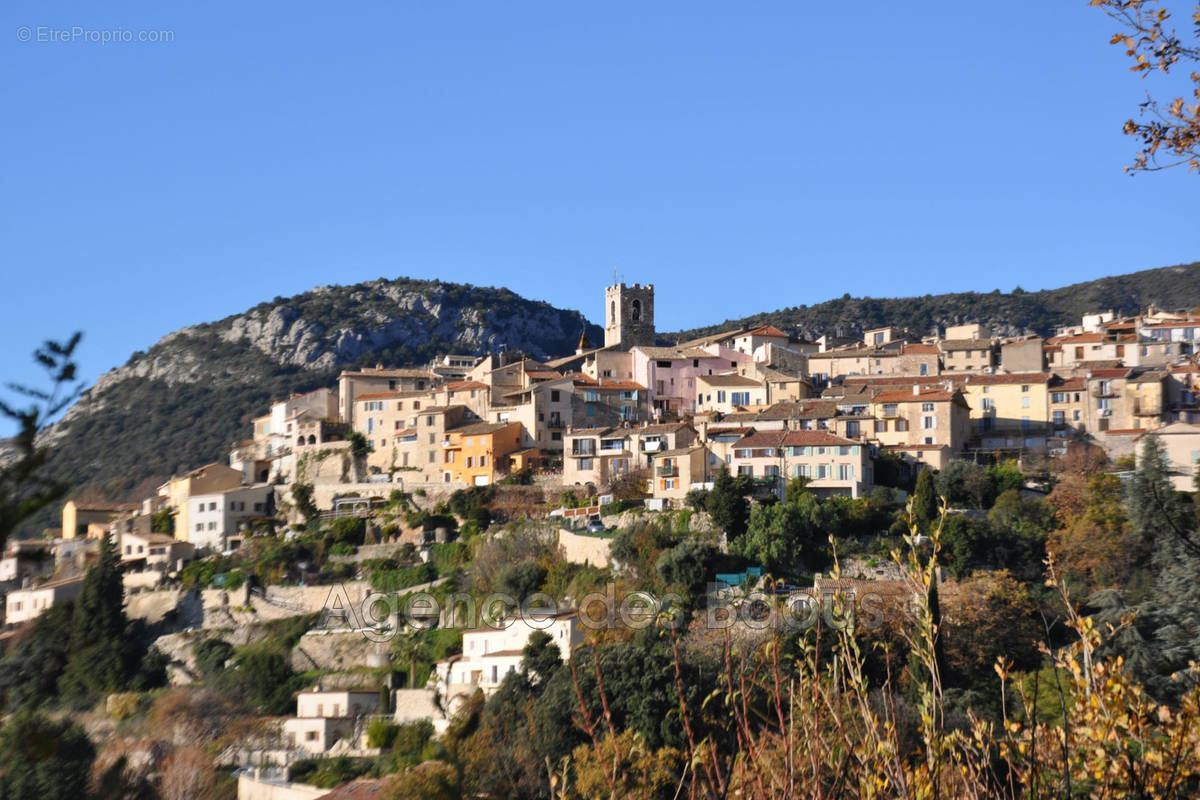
(477, 454)
(1016, 403)
(81, 519)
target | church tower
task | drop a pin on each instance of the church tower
(629, 315)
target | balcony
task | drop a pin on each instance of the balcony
(1101, 390)
(556, 423)
(667, 472)
(583, 452)
(652, 447)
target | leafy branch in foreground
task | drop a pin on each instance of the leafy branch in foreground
(1173, 127)
(24, 486)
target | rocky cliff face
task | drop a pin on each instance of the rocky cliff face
(186, 399)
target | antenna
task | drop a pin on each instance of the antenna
(614, 276)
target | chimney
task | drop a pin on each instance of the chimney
(916, 389)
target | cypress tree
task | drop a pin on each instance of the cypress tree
(925, 502)
(97, 654)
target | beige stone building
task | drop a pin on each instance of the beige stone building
(930, 425)
(831, 464)
(677, 471)
(967, 355)
(353, 383)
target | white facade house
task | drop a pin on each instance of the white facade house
(22, 605)
(489, 654)
(325, 717)
(214, 518)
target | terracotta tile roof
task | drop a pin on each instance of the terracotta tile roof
(376, 396)
(910, 348)
(380, 372)
(674, 353)
(1176, 324)
(802, 409)
(665, 427)
(1149, 376)
(899, 380)
(543, 375)
(811, 438)
(1114, 372)
(1076, 338)
(761, 439)
(766, 330)
(481, 428)
(1075, 383)
(1008, 378)
(935, 396)
(921, 447)
(461, 385)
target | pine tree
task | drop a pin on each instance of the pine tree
(97, 654)
(1163, 524)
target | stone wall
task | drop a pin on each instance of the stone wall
(583, 549)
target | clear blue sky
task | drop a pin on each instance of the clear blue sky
(742, 157)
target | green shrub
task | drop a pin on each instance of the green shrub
(381, 733)
(393, 580)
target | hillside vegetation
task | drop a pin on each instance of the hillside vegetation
(1012, 313)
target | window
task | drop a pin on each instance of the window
(740, 398)
(928, 423)
(927, 407)
(1025, 387)
(720, 396)
(845, 472)
(989, 404)
(1024, 402)
(1058, 397)
(668, 483)
(555, 395)
(889, 409)
(199, 526)
(924, 369)
(585, 463)
(1060, 417)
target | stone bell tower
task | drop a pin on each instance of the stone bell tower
(629, 315)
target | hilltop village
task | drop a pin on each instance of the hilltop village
(629, 462)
